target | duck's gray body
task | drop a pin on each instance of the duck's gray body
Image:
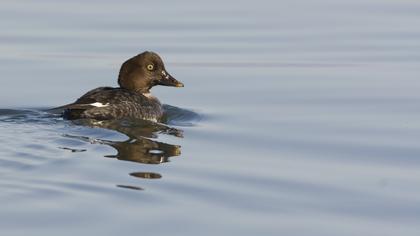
(107, 103)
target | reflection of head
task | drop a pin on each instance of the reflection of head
(146, 175)
(145, 151)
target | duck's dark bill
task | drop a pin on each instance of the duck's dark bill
(168, 80)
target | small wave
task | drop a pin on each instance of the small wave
(180, 116)
(28, 116)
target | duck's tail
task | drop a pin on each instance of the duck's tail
(71, 106)
(59, 109)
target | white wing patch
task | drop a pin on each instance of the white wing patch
(98, 104)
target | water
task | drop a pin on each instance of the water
(297, 118)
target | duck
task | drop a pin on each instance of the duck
(132, 99)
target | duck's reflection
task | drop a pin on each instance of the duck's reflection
(139, 147)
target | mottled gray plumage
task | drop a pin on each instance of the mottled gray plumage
(117, 103)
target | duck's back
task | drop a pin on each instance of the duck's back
(107, 103)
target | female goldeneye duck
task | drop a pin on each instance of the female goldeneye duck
(132, 99)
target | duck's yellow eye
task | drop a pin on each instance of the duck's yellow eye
(150, 67)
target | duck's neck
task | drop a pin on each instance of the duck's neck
(143, 90)
(137, 90)
(148, 94)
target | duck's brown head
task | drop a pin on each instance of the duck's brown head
(142, 72)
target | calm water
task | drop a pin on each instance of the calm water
(297, 118)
